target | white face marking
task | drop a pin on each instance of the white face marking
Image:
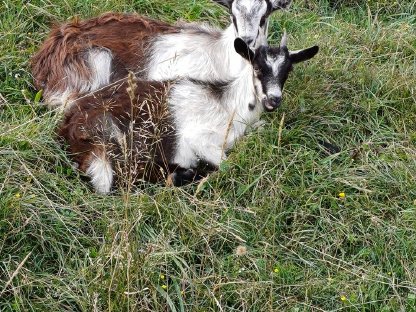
(275, 63)
(273, 87)
(247, 16)
(274, 90)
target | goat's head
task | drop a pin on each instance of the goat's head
(272, 66)
(250, 18)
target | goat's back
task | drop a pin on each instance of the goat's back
(125, 36)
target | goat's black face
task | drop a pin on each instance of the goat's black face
(272, 66)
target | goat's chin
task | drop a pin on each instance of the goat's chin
(269, 108)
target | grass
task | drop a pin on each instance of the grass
(268, 231)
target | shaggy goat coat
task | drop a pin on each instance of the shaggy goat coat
(144, 129)
(82, 56)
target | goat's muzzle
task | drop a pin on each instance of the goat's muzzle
(271, 103)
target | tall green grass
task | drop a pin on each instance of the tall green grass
(268, 231)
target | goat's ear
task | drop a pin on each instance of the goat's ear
(226, 3)
(303, 55)
(243, 49)
(280, 4)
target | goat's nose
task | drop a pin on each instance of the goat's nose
(272, 103)
(276, 100)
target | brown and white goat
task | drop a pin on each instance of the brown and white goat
(82, 56)
(145, 130)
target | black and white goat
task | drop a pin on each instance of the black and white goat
(146, 130)
(83, 56)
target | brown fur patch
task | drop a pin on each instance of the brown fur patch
(131, 123)
(126, 36)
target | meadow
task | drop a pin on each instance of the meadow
(315, 211)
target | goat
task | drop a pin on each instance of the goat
(83, 56)
(250, 18)
(146, 130)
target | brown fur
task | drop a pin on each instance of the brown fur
(143, 147)
(125, 35)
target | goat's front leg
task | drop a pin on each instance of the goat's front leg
(257, 125)
(213, 156)
(182, 176)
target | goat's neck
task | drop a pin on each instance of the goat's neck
(204, 55)
(241, 99)
(232, 62)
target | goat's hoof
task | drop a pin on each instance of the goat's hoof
(181, 177)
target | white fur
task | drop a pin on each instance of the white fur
(189, 54)
(275, 63)
(281, 3)
(59, 99)
(207, 126)
(247, 18)
(100, 64)
(273, 89)
(101, 174)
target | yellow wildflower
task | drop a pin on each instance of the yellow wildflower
(165, 287)
(343, 298)
(162, 277)
(17, 195)
(341, 195)
(276, 270)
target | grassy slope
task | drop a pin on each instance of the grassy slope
(349, 125)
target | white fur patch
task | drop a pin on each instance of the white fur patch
(100, 64)
(205, 55)
(273, 89)
(208, 125)
(275, 63)
(59, 100)
(101, 174)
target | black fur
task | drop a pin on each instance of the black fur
(215, 88)
(304, 55)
